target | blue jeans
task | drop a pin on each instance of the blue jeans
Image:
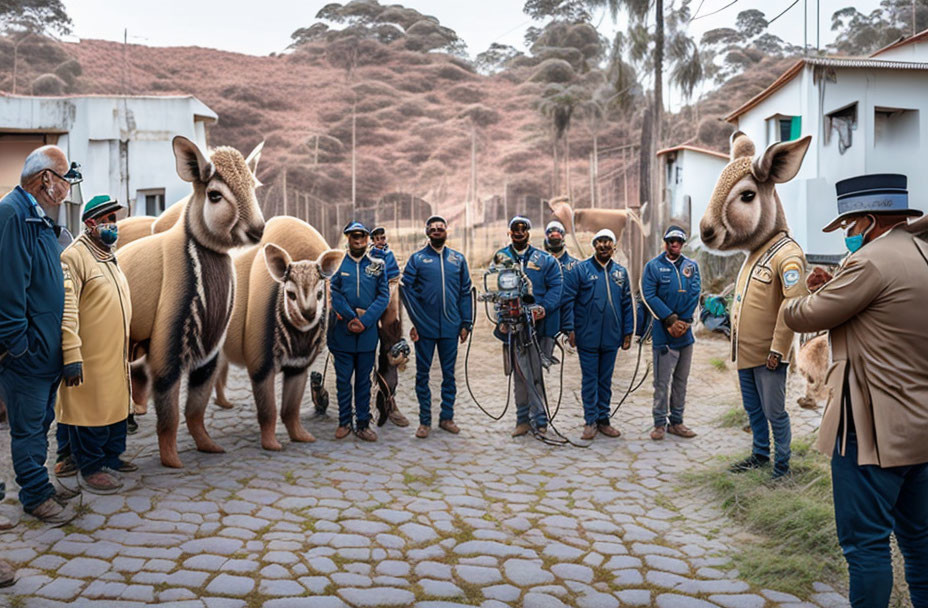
(359, 364)
(596, 368)
(30, 404)
(871, 502)
(95, 447)
(447, 356)
(763, 393)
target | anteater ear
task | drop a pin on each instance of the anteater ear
(781, 161)
(741, 146)
(192, 166)
(278, 262)
(329, 261)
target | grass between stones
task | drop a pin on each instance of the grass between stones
(734, 417)
(17, 601)
(794, 521)
(718, 364)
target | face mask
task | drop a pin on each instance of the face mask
(853, 243)
(109, 234)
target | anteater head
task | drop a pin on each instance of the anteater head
(223, 212)
(745, 211)
(302, 284)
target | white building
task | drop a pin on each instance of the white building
(122, 143)
(690, 173)
(865, 115)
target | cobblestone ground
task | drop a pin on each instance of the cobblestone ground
(474, 519)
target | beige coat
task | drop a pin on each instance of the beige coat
(95, 332)
(769, 279)
(875, 308)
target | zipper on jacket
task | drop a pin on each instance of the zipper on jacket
(609, 295)
(441, 264)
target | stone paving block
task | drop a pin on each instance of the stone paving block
(393, 568)
(829, 599)
(743, 600)
(541, 600)
(478, 575)
(141, 593)
(437, 588)
(418, 533)
(177, 597)
(668, 564)
(486, 547)
(329, 601)
(779, 596)
(671, 600)
(597, 600)
(228, 584)
(349, 579)
(503, 593)
(240, 566)
(574, 572)
(525, 572)
(377, 596)
(188, 578)
(562, 551)
(634, 597)
(315, 584)
(61, 589)
(627, 578)
(205, 562)
(280, 588)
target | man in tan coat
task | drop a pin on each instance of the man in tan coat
(875, 425)
(94, 399)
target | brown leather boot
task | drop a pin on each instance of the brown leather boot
(367, 434)
(342, 432)
(7, 574)
(609, 431)
(422, 432)
(521, 429)
(450, 426)
(657, 433)
(52, 513)
(397, 418)
(589, 433)
(681, 430)
(100, 482)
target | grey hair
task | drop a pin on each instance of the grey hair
(38, 160)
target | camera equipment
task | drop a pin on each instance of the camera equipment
(512, 298)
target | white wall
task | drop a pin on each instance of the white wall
(915, 51)
(700, 173)
(94, 127)
(809, 200)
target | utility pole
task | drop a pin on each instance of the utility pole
(592, 184)
(805, 27)
(468, 237)
(354, 161)
(818, 27)
(285, 190)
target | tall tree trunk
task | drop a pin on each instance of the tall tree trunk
(557, 166)
(644, 195)
(658, 212)
(570, 195)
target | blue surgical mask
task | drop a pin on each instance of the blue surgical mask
(109, 234)
(853, 243)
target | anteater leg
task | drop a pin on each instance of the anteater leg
(199, 388)
(141, 384)
(222, 376)
(167, 397)
(294, 387)
(267, 411)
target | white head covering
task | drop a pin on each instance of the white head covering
(604, 233)
(554, 224)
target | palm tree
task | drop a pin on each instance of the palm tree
(558, 103)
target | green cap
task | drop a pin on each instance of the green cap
(100, 205)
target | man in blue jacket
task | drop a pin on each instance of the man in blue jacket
(436, 291)
(544, 272)
(599, 320)
(670, 286)
(555, 245)
(381, 250)
(360, 295)
(31, 307)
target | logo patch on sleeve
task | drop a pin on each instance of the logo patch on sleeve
(688, 269)
(792, 273)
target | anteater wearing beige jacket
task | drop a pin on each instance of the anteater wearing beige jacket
(279, 320)
(182, 285)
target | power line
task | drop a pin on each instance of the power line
(795, 2)
(698, 8)
(715, 11)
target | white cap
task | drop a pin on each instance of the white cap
(520, 219)
(604, 233)
(555, 225)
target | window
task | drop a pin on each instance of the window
(679, 179)
(153, 201)
(895, 127)
(783, 128)
(841, 123)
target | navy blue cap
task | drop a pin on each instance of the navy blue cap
(875, 193)
(675, 232)
(355, 227)
(378, 230)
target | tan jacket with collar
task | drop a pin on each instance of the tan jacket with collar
(769, 279)
(95, 332)
(875, 308)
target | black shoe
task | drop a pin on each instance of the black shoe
(781, 474)
(132, 427)
(751, 462)
(63, 494)
(127, 467)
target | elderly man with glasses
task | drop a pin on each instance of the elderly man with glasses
(31, 309)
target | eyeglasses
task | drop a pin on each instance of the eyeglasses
(73, 176)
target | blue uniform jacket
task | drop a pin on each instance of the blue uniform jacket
(599, 305)
(567, 263)
(357, 284)
(669, 290)
(31, 288)
(393, 269)
(547, 285)
(436, 292)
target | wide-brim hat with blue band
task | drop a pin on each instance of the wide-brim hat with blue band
(520, 220)
(675, 232)
(99, 206)
(378, 230)
(355, 227)
(877, 193)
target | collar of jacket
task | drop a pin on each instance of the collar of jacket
(599, 266)
(100, 254)
(526, 254)
(663, 258)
